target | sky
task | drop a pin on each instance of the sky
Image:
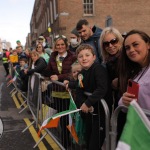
(15, 17)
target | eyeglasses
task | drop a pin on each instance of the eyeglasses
(112, 42)
(59, 37)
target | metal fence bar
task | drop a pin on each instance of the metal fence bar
(107, 123)
(49, 131)
(34, 98)
(114, 125)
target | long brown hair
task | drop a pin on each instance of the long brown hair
(127, 68)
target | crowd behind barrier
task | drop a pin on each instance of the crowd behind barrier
(16, 84)
(41, 98)
(45, 98)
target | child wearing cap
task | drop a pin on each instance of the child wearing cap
(18, 43)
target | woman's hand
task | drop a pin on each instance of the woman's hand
(115, 83)
(54, 77)
(127, 98)
(66, 82)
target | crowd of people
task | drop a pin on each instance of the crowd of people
(94, 60)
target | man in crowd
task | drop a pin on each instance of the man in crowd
(20, 52)
(90, 35)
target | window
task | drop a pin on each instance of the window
(88, 6)
(108, 22)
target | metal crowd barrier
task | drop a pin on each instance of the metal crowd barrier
(107, 121)
(44, 101)
(114, 119)
(34, 100)
(55, 98)
(50, 97)
(15, 84)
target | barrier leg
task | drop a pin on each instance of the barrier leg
(22, 109)
(39, 140)
(22, 104)
(12, 90)
(14, 93)
(28, 126)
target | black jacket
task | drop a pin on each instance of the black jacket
(95, 81)
(39, 66)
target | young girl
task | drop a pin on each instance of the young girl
(71, 82)
(92, 79)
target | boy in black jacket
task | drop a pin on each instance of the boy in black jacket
(92, 79)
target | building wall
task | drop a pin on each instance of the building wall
(126, 15)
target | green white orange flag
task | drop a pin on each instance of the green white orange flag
(71, 126)
(136, 133)
(53, 121)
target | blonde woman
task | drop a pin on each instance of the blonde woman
(58, 69)
(111, 43)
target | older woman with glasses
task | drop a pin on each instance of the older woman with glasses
(40, 49)
(111, 43)
(59, 68)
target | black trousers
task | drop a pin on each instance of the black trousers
(120, 124)
(95, 131)
(6, 67)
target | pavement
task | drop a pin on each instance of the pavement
(14, 122)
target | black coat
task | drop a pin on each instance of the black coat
(39, 66)
(95, 81)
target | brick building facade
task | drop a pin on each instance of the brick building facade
(62, 15)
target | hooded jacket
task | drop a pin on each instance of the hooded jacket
(94, 42)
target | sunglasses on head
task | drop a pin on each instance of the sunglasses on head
(59, 37)
(112, 42)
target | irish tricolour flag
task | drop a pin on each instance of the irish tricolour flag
(71, 126)
(136, 133)
(53, 121)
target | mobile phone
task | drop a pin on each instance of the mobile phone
(133, 88)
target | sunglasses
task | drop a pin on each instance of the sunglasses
(112, 42)
(39, 47)
(59, 37)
